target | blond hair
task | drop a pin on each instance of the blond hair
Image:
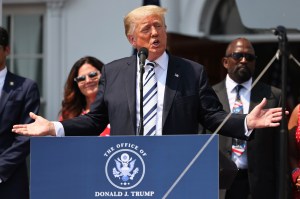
(133, 17)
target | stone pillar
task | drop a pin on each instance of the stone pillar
(53, 59)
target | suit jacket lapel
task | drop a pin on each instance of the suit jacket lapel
(130, 71)
(222, 94)
(9, 84)
(172, 81)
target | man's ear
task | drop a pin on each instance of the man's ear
(131, 40)
(225, 62)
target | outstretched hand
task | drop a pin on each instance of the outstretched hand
(40, 127)
(262, 118)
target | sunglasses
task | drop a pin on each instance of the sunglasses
(91, 75)
(239, 56)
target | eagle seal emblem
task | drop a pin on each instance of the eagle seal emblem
(125, 169)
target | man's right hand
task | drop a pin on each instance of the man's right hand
(40, 127)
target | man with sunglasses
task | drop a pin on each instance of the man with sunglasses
(257, 162)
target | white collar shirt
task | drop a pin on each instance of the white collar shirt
(245, 93)
(161, 69)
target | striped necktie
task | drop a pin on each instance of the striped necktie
(150, 100)
(238, 146)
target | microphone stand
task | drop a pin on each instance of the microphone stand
(280, 31)
(141, 125)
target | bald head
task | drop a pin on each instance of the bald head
(240, 43)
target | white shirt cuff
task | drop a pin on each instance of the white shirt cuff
(59, 129)
(247, 131)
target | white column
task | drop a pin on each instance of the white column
(53, 63)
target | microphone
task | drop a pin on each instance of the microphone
(143, 55)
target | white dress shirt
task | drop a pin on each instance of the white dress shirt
(161, 69)
(245, 94)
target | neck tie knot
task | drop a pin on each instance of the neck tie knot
(151, 64)
(238, 89)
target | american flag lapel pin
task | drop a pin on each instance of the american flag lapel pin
(176, 75)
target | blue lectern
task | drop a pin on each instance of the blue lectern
(125, 167)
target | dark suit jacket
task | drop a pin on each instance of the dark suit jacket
(19, 96)
(188, 100)
(262, 149)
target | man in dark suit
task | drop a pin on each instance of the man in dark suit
(256, 177)
(184, 95)
(18, 97)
